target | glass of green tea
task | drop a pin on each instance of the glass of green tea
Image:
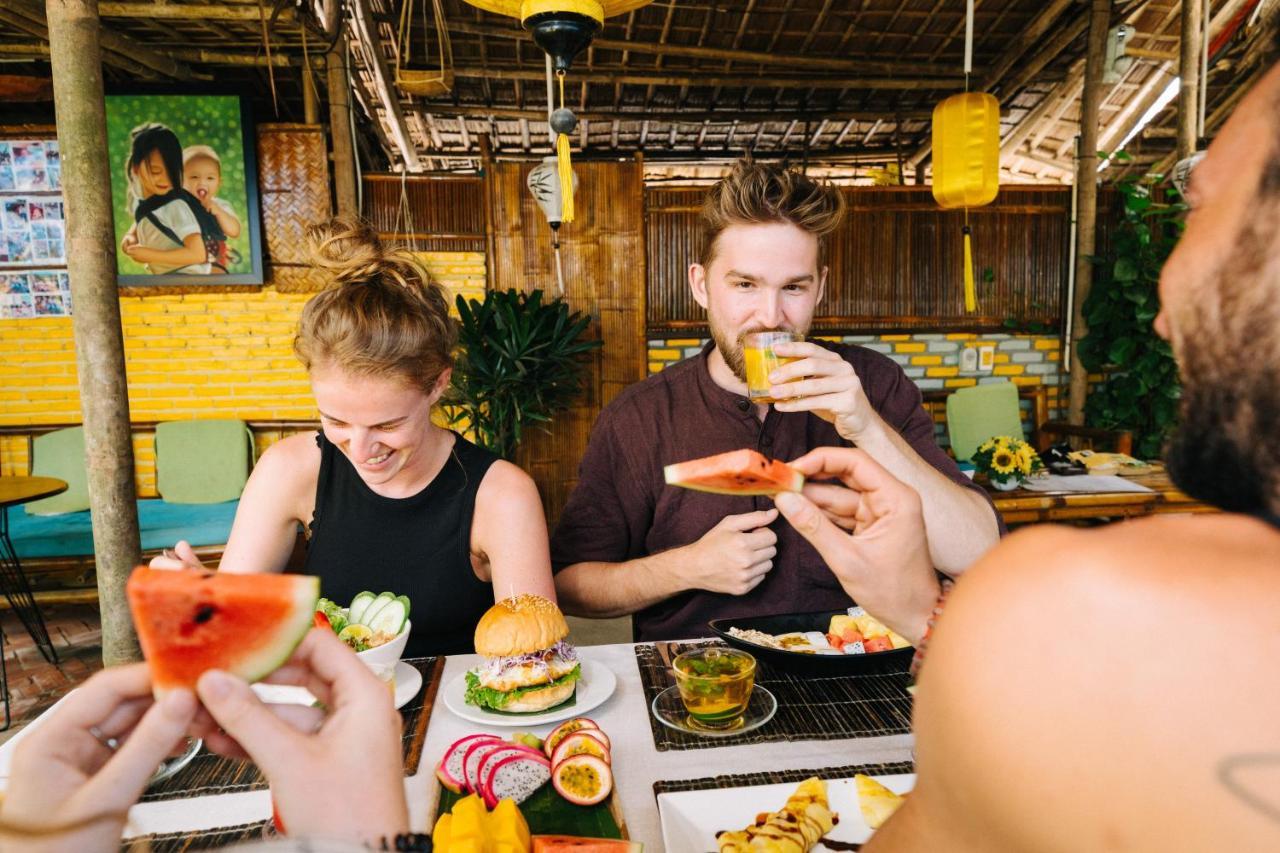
(715, 685)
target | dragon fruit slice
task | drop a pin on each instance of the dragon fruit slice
(517, 778)
(472, 758)
(450, 769)
(491, 759)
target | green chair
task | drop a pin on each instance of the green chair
(980, 412)
(61, 454)
(202, 461)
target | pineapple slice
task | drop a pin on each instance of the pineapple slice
(876, 802)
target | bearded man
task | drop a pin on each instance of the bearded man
(629, 544)
(1110, 689)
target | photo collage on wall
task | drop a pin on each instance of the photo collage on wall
(33, 276)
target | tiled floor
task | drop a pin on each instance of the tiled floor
(34, 683)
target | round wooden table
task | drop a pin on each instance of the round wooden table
(13, 582)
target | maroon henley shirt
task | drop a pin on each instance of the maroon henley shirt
(622, 509)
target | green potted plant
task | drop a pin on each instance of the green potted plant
(1140, 389)
(521, 362)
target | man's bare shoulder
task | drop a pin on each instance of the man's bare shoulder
(1144, 650)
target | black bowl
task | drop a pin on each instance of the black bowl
(894, 660)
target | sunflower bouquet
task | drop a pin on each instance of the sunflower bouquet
(1006, 461)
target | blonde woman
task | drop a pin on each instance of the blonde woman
(390, 500)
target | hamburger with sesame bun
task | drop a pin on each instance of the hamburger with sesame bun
(528, 666)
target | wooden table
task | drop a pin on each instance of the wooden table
(1022, 506)
(13, 582)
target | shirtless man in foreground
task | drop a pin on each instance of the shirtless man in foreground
(1113, 689)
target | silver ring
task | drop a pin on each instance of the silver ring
(109, 742)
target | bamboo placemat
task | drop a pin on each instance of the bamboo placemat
(210, 774)
(809, 707)
(775, 777)
(179, 842)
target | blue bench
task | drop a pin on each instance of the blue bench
(161, 525)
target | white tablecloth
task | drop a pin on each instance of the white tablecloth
(624, 717)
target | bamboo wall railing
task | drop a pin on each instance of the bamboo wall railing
(895, 263)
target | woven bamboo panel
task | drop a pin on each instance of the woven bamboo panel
(604, 270)
(293, 182)
(896, 261)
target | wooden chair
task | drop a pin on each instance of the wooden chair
(1045, 432)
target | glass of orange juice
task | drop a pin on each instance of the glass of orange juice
(760, 360)
(715, 686)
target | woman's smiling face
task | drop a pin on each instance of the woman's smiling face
(379, 423)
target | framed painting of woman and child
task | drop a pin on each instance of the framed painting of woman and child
(184, 189)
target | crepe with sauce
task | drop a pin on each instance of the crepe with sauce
(794, 828)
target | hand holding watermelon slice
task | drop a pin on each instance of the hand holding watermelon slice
(885, 565)
(308, 753)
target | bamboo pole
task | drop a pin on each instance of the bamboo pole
(76, 57)
(1188, 94)
(310, 107)
(344, 158)
(1087, 190)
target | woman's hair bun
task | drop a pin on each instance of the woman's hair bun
(348, 249)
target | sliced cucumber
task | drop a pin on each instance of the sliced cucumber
(359, 605)
(371, 612)
(391, 617)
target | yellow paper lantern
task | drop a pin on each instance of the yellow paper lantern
(966, 163)
(966, 150)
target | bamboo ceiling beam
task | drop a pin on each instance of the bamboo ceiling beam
(367, 32)
(684, 117)
(746, 57)
(40, 31)
(116, 43)
(192, 12)
(640, 78)
(1189, 71)
(256, 60)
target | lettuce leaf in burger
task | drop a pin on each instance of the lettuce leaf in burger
(528, 666)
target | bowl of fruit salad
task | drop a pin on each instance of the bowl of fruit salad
(376, 627)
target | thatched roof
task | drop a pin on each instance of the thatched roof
(832, 82)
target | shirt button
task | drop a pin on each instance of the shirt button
(744, 405)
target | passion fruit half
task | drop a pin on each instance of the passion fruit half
(583, 780)
(579, 743)
(563, 730)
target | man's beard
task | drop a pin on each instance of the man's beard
(1207, 458)
(1225, 451)
(731, 349)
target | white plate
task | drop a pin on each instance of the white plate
(691, 819)
(408, 683)
(594, 687)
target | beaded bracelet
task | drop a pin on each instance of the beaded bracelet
(408, 842)
(917, 660)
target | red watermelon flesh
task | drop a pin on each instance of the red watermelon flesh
(738, 472)
(192, 620)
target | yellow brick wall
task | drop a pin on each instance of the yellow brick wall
(194, 355)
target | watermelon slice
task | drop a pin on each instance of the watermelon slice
(738, 472)
(192, 620)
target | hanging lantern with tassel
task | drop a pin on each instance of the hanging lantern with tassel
(966, 156)
(544, 184)
(563, 29)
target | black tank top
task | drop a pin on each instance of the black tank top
(419, 546)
